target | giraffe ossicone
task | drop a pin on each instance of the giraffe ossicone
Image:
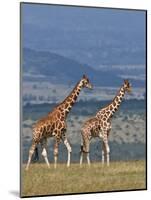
(54, 125)
(100, 125)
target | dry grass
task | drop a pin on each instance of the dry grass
(119, 176)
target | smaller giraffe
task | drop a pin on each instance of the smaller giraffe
(54, 125)
(100, 125)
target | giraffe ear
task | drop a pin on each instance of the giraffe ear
(84, 76)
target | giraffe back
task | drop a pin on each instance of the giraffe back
(94, 127)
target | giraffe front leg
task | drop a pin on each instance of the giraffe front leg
(65, 140)
(55, 154)
(107, 150)
(44, 151)
(103, 154)
(102, 157)
(31, 151)
(108, 155)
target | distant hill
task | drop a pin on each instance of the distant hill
(53, 67)
(48, 66)
(88, 35)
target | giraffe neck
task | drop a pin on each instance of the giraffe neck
(69, 101)
(113, 106)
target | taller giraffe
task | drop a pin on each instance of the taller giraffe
(54, 125)
(100, 125)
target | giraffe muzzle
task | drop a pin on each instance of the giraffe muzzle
(90, 86)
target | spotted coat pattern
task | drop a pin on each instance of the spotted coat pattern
(54, 125)
(100, 124)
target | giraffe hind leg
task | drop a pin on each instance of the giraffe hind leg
(44, 151)
(31, 151)
(88, 158)
(66, 142)
(81, 155)
(85, 150)
(36, 156)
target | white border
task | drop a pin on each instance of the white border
(9, 99)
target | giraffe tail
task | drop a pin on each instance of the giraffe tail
(81, 150)
(36, 155)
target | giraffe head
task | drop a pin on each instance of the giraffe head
(85, 82)
(127, 86)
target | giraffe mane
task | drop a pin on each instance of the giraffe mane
(70, 93)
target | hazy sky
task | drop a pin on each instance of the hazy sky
(44, 16)
(85, 34)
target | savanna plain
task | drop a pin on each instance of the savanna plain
(120, 175)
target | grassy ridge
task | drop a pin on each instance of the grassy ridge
(119, 176)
